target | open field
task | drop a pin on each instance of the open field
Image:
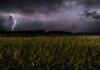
(55, 52)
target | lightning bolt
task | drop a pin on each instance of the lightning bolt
(14, 21)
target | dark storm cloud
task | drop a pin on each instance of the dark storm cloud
(21, 3)
(30, 6)
(89, 3)
(64, 15)
(92, 3)
(51, 4)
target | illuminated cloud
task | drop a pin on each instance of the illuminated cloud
(57, 15)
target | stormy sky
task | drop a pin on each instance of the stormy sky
(50, 15)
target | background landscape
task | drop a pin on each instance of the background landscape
(49, 35)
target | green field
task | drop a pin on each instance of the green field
(63, 52)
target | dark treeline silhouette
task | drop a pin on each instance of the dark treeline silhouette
(40, 33)
(31, 33)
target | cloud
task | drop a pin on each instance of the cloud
(61, 15)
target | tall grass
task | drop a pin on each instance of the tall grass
(50, 53)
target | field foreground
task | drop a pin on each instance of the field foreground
(50, 52)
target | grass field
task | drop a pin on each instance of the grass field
(50, 52)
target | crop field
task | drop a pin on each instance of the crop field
(55, 52)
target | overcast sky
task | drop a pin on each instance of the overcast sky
(49, 15)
